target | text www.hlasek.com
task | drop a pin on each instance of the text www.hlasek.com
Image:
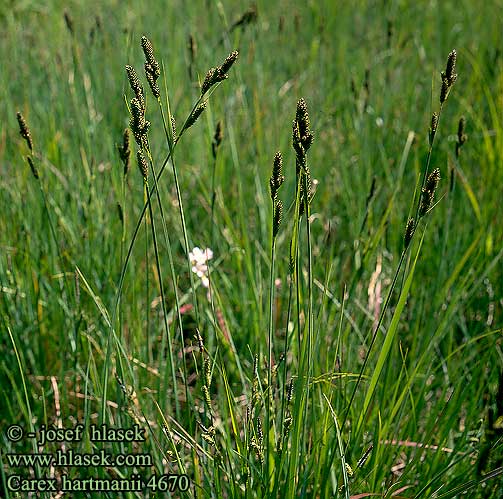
(71, 458)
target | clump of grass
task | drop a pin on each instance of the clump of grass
(424, 204)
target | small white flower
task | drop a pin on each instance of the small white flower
(198, 259)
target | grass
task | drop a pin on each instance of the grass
(327, 358)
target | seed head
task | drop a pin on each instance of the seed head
(461, 135)
(196, 113)
(260, 433)
(24, 131)
(207, 370)
(152, 81)
(136, 86)
(200, 341)
(152, 68)
(137, 123)
(287, 423)
(215, 75)
(409, 232)
(302, 118)
(277, 177)
(432, 180)
(289, 394)
(444, 91)
(229, 61)
(209, 80)
(296, 142)
(448, 76)
(125, 151)
(142, 165)
(451, 67)
(148, 50)
(173, 127)
(207, 397)
(428, 192)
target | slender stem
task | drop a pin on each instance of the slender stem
(269, 398)
(161, 287)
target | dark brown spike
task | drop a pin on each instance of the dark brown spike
(24, 131)
(450, 67)
(229, 61)
(409, 232)
(209, 80)
(302, 118)
(428, 192)
(444, 91)
(432, 180)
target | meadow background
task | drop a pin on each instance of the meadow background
(370, 74)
